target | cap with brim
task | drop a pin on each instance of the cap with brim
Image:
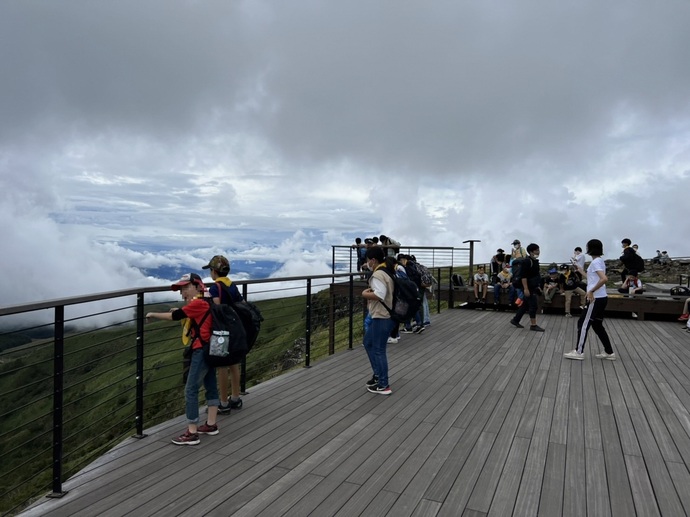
(219, 263)
(499, 250)
(188, 278)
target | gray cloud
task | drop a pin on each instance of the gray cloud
(171, 121)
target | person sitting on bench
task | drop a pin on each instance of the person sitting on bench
(632, 284)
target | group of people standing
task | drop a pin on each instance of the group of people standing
(221, 385)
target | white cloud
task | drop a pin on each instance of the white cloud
(269, 129)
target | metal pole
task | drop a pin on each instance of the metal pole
(243, 365)
(58, 395)
(307, 346)
(139, 416)
(351, 310)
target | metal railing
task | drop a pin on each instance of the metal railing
(80, 374)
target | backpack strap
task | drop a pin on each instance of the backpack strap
(197, 326)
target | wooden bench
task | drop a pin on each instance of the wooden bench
(640, 304)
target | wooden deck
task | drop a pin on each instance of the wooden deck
(484, 419)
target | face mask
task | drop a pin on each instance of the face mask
(535, 254)
(516, 246)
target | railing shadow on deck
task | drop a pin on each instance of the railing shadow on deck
(78, 375)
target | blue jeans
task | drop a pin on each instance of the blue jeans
(425, 309)
(497, 293)
(375, 342)
(199, 373)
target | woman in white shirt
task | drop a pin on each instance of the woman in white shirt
(597, 298)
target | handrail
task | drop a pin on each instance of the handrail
(146, 368)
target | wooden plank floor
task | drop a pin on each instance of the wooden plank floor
(484, 419)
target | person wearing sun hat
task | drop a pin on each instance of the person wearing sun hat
(224, 291)
(196, 327)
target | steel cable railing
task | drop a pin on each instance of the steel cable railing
(91, 387)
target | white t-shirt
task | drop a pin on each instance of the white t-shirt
(481, 278)
(579, 260)
(597, 264)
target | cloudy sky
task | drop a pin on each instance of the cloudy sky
(144, 133)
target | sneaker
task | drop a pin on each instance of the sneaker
(604, 355)
(207, 429)
(516, 324)
(380, 390)
(236, 404)
(536, 328)
(406, 331)
(574, 354)
(568, 315)
(419, 329)
(684, 317)
(634, 315)
(224, 409)
(392, 340)
(518, 302)
(427, 323)
(374, 381)
(187, 439)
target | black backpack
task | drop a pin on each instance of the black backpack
(637, 263)
(249, 314)
(228, 342)
(457, 280)
(406, 299)
(680, 290)
(517, 268)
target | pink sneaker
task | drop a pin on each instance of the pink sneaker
(684, 317)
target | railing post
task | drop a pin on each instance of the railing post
(451, 291)
(58, 398)
(351, 310)
(438, 292)
(307, 345)
(331, 318)
(139, 413)
(243, 365)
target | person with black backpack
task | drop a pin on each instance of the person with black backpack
(196, 329)
(224, 291)
(528, 277)
(379, 296)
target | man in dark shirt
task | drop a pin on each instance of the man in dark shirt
(530, 277)
(627, 258)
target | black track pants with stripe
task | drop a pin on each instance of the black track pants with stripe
(593, 316)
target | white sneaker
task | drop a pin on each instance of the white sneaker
(604, 355)
(634, 315)
(568, 315)
(574, 354)
(393, 340)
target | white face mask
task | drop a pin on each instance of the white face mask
(516, 246)
(535, 254)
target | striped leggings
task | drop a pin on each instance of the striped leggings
(593, 316)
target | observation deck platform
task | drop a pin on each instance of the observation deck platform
(484, 419)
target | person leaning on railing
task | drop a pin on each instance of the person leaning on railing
(197, 327)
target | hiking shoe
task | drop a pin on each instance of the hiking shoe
(380, 390)
(574, 354)
(419, 329)
(536, 328)
(406, 331)
(187, 439)
(374, 381)
(516, 324)
(224, 409)
(207, 429)
(604, 355)
(568, 315)
(392, 340)
(236, 404)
